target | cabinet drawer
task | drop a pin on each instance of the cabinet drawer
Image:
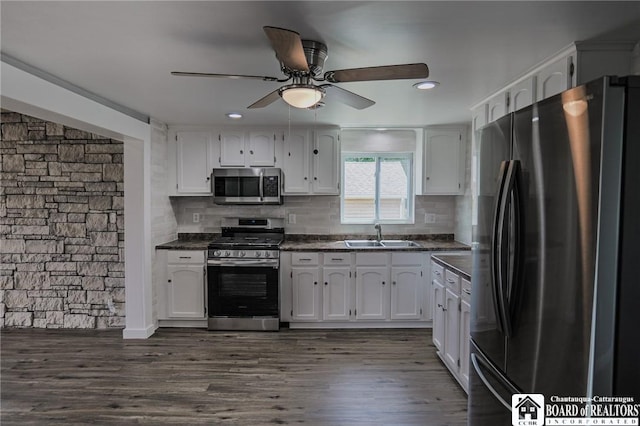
(452, 281)
(373, 259)
(186, 256)
(466, 289)
(437, 272)
(302, 259)
(406, 258)
(337, 258)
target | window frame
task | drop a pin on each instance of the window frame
(410, 219)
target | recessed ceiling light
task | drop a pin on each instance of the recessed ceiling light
(425, 85)
(234, 115)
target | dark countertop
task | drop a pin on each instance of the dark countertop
(313, 243)
(461, 263)
(425, 245)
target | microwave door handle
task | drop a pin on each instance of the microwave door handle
(261, 185)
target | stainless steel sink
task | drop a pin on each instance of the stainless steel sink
(398, 243)
(390, 244)
(362, 243)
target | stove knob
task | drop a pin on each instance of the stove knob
(267, 254)
(242, 253)
(227, 254)
(217, 253)
(258, 254)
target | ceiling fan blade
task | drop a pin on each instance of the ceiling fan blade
(231, 76)
(267, 100)
(288, 47)
(386, 72)
(346, 97)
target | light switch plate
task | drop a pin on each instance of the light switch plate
(292, 218)
(429, 218)
(196, 217)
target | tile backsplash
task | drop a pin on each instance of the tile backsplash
(315, 215)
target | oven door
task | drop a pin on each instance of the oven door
(243, 288)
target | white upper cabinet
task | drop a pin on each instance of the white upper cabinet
(261, 149)
(555, 77)
(443, 162)
(193, 162)
(232, 148)
(575, 65)
(522, 94)
(296, 161)
(326, 162)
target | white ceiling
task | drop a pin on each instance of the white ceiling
(124, 51)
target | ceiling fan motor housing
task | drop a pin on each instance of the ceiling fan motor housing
(316, 54)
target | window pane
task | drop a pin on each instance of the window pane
(394, 188)
(359, 189)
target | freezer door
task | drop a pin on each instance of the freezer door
(557, 144)
(489, 393)
(492, 149)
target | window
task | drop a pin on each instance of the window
(377, 188)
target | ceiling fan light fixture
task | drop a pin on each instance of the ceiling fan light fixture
(302, 95)
(234, 115)
(426, 85)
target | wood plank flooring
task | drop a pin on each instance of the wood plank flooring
(187, 376)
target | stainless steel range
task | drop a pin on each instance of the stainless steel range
(243, 275)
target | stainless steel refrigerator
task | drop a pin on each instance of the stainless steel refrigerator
(556, 260)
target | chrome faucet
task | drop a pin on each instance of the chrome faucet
(378, 231)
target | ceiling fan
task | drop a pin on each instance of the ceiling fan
(302, 62)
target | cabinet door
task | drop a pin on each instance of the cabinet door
(372, 293)
(261, 150)
(406, 284)
(451, 329)
(465, 336)
(306, 294)
(194, 171)
(498, 106)
(522, 94)
(335, 293)
(296, 162)
(554, 78)
(443, 163)
(231, 149)
(185, 291)
(438, 314)
(326, 162)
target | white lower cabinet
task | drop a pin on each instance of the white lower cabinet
(354, 289)
(372, 292)
(451, 321)
(336, 293)
(183, 295)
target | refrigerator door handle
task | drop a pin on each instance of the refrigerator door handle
(506, 273)
(496, 249)
(476, 366)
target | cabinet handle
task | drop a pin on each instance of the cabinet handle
(208, 178)
(336, 260)
(315, 178)
(439, 305)
(185, 257)
(383, 283)
(168, 281)
(449, 280)
(305, 178)
(427, 177)
(326, 283)
(241, 152)
(394, 283)
(466, 291)
(315, 283)
(436, 272)
(251, 152)
(304, 260)
(315, 151)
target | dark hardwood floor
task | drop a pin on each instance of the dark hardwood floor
(186, 376)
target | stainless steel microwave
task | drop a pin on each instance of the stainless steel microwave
(247, 186)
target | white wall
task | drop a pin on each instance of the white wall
(27, 94)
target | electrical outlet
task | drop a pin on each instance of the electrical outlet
(196, 217)
(292, 218)
(429, 218)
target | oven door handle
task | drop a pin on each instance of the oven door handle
(257, 263)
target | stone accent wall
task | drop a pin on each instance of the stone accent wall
(61, 226)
